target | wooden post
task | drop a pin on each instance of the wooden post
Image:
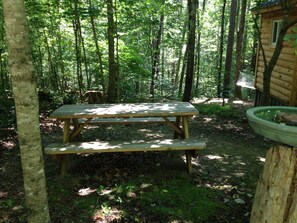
(185, 123)
(276, 194)
(66, 138)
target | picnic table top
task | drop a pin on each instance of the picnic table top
(124, 110)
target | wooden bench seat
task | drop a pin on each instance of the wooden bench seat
(108, 121)
(126, 146)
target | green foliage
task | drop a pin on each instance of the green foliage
(52, 33)
(227, 111)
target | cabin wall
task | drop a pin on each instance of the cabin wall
(284, 76)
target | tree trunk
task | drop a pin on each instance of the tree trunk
(26, 103)
(198, 45)
(113, 85)
(239, 41)
(156, 55)
(180, 56)
(100, 78)
(182, 73)
(76, 26)
(85, 59)
(276, 195)
(192, 7)
(228, 63)
(219, 84)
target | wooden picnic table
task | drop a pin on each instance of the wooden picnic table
(71, 114)
(76, 117)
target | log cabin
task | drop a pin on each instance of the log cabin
(283, 83)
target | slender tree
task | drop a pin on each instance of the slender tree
(26, 104)
(113, 83)
(192, 7)
(76, 27)
(156, 54)
(100, 77)
(239, 45)
(221, 51)
(229, 52)
(198, 53)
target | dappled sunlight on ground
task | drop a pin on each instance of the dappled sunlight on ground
(109, 187)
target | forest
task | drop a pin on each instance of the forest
(82, 61)
(138, 50)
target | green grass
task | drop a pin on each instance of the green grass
(227, 111)
(166, 199)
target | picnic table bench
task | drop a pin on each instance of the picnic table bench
(78, 116)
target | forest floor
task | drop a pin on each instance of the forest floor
(145, 187)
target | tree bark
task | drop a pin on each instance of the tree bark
(156, 55)
(198, 45)
(192, 7)
(26, 104)
(239, 50)
(229, 53)
(276, 195)
(180, 56)
(219, 84)
(100, 78)
(113, 85)
(76, 27)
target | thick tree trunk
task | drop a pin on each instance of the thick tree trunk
(228, 63)
(192, 7)
(26, 104)
(276, 195)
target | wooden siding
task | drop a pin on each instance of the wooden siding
(284, 76)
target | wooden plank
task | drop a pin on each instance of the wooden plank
(66, 134)
(149, 120)
(282, 76)
(293, 98)
(280, 63)
(274, 93)
(125, 146)
(285, 50)
(125, 110)
(275, 88)
(278, 68)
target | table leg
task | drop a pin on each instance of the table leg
(177, 123)
(76, 134)
(66, 134)
(185, 126)
(66, 138)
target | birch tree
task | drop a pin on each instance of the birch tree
(27, 113)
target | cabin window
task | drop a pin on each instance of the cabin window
(275, 31)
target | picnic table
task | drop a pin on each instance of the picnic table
(77, 116)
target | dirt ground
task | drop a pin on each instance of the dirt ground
(231, 163)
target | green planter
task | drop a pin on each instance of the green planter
(261, 119)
